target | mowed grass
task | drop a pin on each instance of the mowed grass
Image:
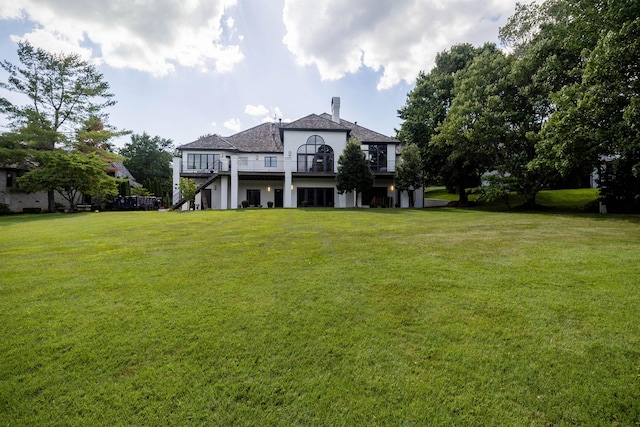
(320, 317)
(557, 200)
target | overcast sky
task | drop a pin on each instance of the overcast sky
(183, 68)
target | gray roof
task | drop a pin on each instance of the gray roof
(122, 172)
(363, 134)
(267, 137)
(263, 138)
(211, 142)
(315, 122)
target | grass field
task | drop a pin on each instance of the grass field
(320, 317)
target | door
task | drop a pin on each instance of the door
(278, 198)
(206, 199)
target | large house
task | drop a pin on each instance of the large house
(287, 165)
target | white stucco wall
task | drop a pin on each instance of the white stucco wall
(293, 139)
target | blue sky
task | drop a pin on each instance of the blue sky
(183, 68)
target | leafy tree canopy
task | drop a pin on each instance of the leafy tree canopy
(354, 173)
(70, 174)
(149, 159)
(409, 171)
(64, 91)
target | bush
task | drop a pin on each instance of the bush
(4, 209)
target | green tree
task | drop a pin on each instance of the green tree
(149, 160)
(63, 91)
(94, 136)
(582, 60)
(425, 110)
(354, 173)
(409, 171)
(188, 189)
(596, 124)
(70, 174)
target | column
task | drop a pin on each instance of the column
(224, 191)
(287, 191)
(234, 182)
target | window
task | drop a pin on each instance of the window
(315, 197)
(202, 161)
(270, 162)
(378, 157)
(10, 179)
(253, 197)
(315, 156)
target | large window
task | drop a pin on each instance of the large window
(270, 162)
(315, 156)
(202, 161)
(378, 157)
(318, 197)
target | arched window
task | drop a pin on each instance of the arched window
(315, 156)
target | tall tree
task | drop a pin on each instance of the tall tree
(94, 136)
(149, 159)
(409, 172)
(354, 173)
(582, 59)
(426, 108)
(70, 174)
(63, 89)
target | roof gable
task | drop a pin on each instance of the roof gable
(268, 137)
(263, 138)
(363, 134)
(315, 122)
(211, 142)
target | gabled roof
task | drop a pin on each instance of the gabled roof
(211, 142)
(120, 171)
(268, 137)
(263, 138)
(363, 134)
(315, 122)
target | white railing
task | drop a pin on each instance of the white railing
(246, 165)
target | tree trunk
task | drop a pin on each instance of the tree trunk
(51, 201)
(411, 196)
(463, 200)
(530, 201)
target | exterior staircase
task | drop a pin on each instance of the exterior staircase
(200, 187)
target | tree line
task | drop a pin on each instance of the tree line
(61, 141)
(558, 103)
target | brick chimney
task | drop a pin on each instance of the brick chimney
(335, 109)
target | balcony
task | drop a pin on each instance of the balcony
(223, 167)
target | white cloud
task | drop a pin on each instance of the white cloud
(400, 37)
(232, 124)
(256, 110)
(268, 115)
(150, 36)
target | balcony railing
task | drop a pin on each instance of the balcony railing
(244, 165)
(259, 166)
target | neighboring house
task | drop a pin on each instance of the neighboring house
(16, 199)
(118, 170)
(19, 201)
(289, 165)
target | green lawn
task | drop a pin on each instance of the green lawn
(320, 317)
(559, 200)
